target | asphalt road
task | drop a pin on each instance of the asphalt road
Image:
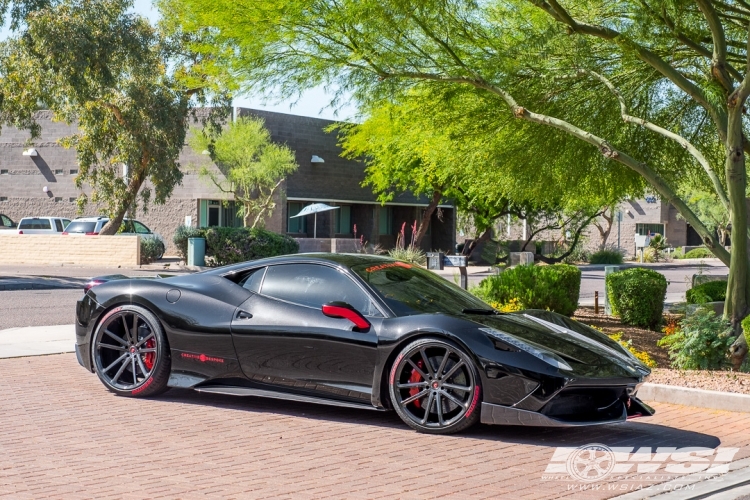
(20, 308)
(57, 307)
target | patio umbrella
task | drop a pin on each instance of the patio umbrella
(314, 209)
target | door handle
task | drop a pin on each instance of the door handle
(243, 315)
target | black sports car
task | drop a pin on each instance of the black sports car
(354, 330)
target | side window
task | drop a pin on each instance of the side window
(140, 228)
(5, 221)
(58, 225)
(65, 223)
(314, 285)
(253, 279)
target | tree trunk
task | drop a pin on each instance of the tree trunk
(736, 306)
(486, 235)
(604, 233)
(425, 222)
(136, 181)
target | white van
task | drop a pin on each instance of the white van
(42, 225)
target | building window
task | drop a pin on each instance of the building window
(73, 171)
(72, 199)
(58, 198)
(3, 198)
(297, 224)
(385, 222)
(4, 172)
(217, 213)
(59, 171)
(649, 229)
(343, 220)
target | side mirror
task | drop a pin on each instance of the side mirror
(345, 311)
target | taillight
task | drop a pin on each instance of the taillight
(91, 234)
(91, 284)
(20, 232)
(64, 232)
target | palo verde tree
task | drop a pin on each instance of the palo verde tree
(252, 166)
(425, 144)
(675, 72)
(93, 63)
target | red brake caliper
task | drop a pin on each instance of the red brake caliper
(149, 357)
(415, 377)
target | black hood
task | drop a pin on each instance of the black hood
(589, 352)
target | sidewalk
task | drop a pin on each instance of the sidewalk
(37, 341)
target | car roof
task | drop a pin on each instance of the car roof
(347, 260)
(90, 219)
(43, 217)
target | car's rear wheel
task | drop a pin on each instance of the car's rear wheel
(435, 387)
(130, 352)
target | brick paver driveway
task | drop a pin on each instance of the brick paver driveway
(62, 435)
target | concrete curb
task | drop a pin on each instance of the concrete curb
(699, 398)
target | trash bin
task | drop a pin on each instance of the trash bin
(196, 252)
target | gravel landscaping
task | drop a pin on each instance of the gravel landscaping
(708, 380)
(645, 340)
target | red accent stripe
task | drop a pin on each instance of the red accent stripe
(346, 313)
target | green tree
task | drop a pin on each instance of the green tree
(673, 79)
(94, 64)
(253, 168)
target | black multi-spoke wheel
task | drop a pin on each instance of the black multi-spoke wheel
(130, 353)
(435, 387)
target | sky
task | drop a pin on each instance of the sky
(310, 103)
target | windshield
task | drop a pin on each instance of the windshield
(408, 289)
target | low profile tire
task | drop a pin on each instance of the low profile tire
(435, 387)
(130, 352)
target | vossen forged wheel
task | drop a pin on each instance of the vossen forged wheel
(130, 353)
(435, 387)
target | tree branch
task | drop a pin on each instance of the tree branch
(702, 161)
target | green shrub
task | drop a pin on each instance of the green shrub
(152, 248)
(637, 296)
(555, 288)
(746, 330)
(701, 343)
(678, 253)
(606, 256)
(181, 236)
(710, 291)
(698, 253)
(230, 245)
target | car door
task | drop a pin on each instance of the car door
(283, 339)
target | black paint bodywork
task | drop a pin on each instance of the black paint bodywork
(225, 338)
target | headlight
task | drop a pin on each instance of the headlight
(547, 357)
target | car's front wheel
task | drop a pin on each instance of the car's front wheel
(435, 387)
(130, 352)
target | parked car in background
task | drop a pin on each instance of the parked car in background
(86, 226)
(6, 222)
(42, 225)
(93, 225)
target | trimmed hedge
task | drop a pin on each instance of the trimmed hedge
(637, 296)
(606, 256)
(555, 288)
(230, 245)
(710, 291)
(699, 253)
